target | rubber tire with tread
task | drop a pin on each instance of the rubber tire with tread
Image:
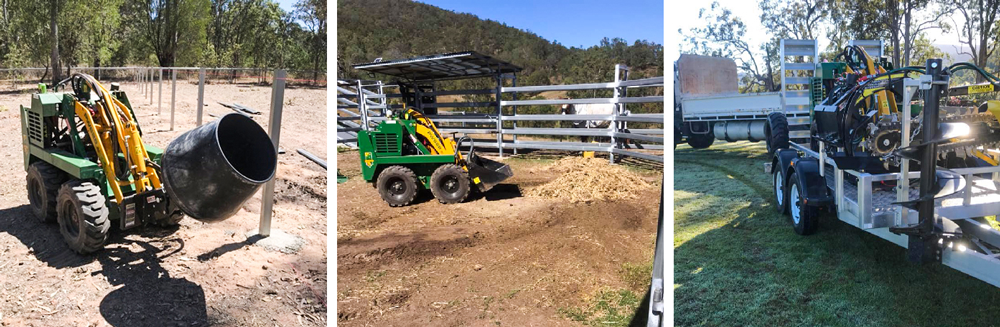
(49, 178)
(781, 201)
(808, 215)
(85, 200)
(777, 133)
(409, 180)
(439, 176)
(701, 141)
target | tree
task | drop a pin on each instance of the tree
(313, 13)
(161, 24)
(977, 32)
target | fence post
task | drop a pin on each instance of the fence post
(274, 127)
(385, 100)
(201, 93)
(499, 116)
(159, 107)
(173, 96)
(513, 83)
(613, 126)
(151, 78)
(362, 106)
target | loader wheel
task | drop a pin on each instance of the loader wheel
(780, 190)
(83, 216)
(450, 184)
(776, 133)
(43, 188)
(805, 218)
(701, 141)
(397, 185)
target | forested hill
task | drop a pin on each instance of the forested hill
(394, 29)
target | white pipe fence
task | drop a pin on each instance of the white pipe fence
(362, 104)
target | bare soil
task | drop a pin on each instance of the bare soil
(194, 275)
(500, 258)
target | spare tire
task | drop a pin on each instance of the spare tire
(776, 132)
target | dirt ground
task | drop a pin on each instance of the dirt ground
(195, 275)
(497, 259)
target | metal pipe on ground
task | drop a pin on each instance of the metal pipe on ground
(310, 156)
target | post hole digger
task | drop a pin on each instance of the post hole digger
(407, 152)
(88, 166)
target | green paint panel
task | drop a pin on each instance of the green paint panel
(830, 70)
(73, 165)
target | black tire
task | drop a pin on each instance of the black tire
(450, 184)
(397, 185)
(701, 141)
(43, 183)
(805, 218)
(780, 190)
(776, 132)
(83, 216)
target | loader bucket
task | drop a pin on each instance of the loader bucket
(488, 172)
(210, 171)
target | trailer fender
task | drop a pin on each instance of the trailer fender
(807, 170)
(783, 159)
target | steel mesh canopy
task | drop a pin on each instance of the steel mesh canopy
(456, 65)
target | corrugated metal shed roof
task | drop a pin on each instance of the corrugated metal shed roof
(456, 65)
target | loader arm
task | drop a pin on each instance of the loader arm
(114, 131)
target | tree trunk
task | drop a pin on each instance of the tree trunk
(53, 13)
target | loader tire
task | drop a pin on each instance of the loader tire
(83, 216)
(450, 184)
(397, 185)
(43, 183)
(776, 133)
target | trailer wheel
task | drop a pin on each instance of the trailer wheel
(701, 141)
(83, 216)
(450, 184)
(780, 190)
(776, 133)
(43, 187)
(397, 185)
(805, 218)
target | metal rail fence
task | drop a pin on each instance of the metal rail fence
(361, 104)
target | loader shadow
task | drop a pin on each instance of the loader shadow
(46, 243)
(497, 193)
(148, 295)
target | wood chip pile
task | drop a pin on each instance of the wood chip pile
(590, 179)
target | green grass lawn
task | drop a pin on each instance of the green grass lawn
(737, 262)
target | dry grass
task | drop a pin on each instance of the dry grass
(585, 180)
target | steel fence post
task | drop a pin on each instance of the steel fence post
(274, 127)
(201, 93)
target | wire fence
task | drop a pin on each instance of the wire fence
(362, 104)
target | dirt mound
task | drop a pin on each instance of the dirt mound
(589, 179)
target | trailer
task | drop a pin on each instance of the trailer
(709, 107)
(807, 182)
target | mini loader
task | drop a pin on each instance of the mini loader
(87, 165)
(406, 153)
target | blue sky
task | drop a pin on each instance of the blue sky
(287, 5)
(572, 23)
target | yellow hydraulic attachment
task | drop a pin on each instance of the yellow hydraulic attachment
(117, 137)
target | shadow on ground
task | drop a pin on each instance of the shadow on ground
(739, 262)
(148, 296)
